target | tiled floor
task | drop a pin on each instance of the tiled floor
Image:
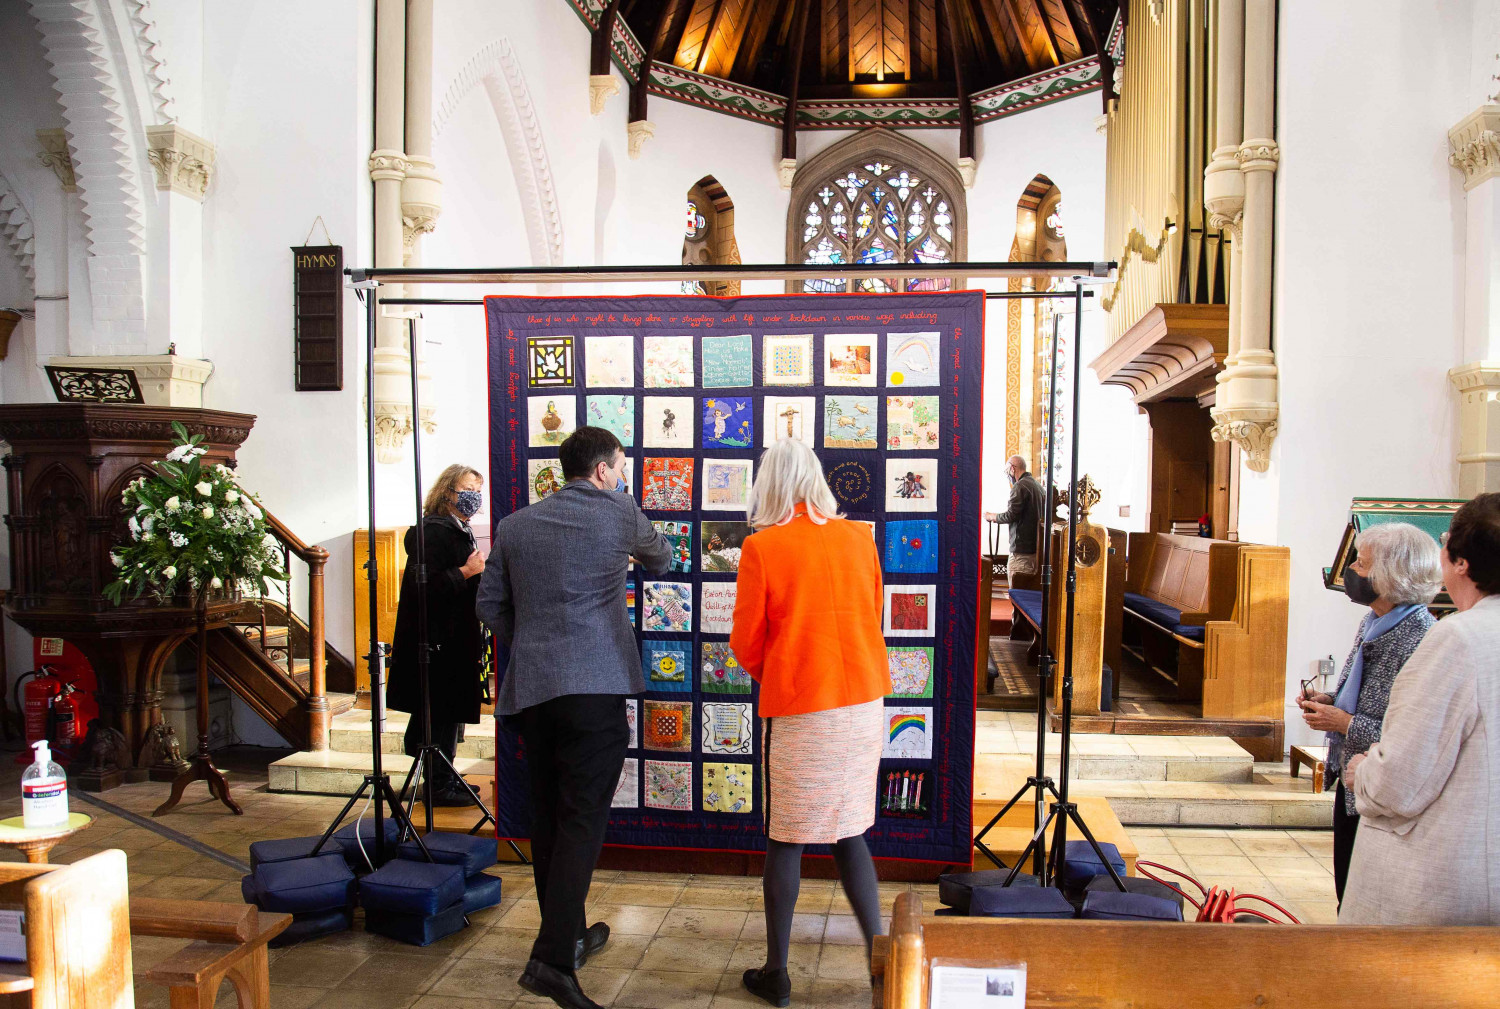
(678, 942)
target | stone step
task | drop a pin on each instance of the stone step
(1126, 758)
(332, 772)
(1271, 798)
(350, 733)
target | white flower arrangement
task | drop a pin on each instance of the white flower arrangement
(221, 539)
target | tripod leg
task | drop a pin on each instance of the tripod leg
(979, 837)
(1109, 867)
(519, 853)
(409, 790)
(1031, 846)
(488, 817)
(399, 813)
(340, 818)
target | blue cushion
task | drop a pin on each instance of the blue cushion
(322, 883)
(422, 888)
(263, 852)
(481, 891)
(955, 888)
(475, 854)
(1029, 602)
(1080, 864)
(352, 850)
(1157, 612)
(1112, 905)
(1020, 902)
(416, 929)
(311, 925)
(1137, 884)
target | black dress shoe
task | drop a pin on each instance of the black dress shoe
(454, 795)
(594, 938)
(775, 986)
(560, 986)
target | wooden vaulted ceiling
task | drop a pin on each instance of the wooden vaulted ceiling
(869, 48)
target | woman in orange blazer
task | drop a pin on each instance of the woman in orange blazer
(807, 628)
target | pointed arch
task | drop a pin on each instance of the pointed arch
(496, 69)
(709, 236)
(877, 197)
(1028, 331)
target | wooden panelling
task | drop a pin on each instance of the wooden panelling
(694, 41)
(390, 562)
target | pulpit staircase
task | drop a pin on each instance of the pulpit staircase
(280, 664)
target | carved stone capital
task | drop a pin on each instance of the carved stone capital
(1254, 437)
(392, 426)
(1259, 155)
(637, 133)
(388, 165)
(602, 87)
(1476, 375)
(56, 156)
(421, 200)
(1224, 190)
(184, 161)
(786, 171)
(1475, 144)
(968, 170)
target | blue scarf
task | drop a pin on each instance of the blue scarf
(1348, 697)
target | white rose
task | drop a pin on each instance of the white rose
(268, 540)
(252, 511)
(117, 560)
(169, 572)
(208, 511)
(173, 504)
(179, 453)
(135, 527)
(231, 496)
(216, 583)
(204, 488)
(142, 508)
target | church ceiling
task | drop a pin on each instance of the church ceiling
(861, 62)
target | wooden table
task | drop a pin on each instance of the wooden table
(36, 843)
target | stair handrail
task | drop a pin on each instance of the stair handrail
(316, 558)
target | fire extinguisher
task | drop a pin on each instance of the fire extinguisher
(50, 709)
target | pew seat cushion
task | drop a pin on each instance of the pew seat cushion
(955, 888)
(416, 929)
(1161, 614)
(1112, 905)
(475, 854)
(1020, 902)
(405, 887)
(481, 891)
(300, 885)
(1029, 603)
(1081, 864)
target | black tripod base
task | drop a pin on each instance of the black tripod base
(416, 779)
(378, 786)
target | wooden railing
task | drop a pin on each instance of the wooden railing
(316, 558)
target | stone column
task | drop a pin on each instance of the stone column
(388, 168)
(421, 190)
(1475, 144)
(1245, 410)
(1223, 182)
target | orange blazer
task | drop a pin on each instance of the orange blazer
(807, 616)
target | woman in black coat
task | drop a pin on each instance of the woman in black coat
(454, 671)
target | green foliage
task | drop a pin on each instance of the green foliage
(192, 529)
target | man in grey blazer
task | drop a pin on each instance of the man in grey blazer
(553, 592)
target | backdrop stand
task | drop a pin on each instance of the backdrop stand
(370, 278)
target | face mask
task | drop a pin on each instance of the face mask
(1359, 588)
(1011, 477)
(468, 502)
(621, 487)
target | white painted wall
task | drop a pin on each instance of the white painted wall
(1368, 290)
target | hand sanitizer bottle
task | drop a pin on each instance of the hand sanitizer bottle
(44, 791)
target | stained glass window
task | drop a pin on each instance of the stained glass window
(1055, 221)
(873, 210)
(696, 222)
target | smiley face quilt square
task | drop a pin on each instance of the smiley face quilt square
(665, 664)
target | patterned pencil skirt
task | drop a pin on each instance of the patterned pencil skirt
(820, 772)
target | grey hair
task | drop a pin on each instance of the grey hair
(789, 475)
(1404, 565)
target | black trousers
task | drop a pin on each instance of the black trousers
(446, 735)
(1344, 828)
(575, 749)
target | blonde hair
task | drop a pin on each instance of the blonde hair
(440, 498)
(790, 475)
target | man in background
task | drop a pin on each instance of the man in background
(553, 592)
(1022, 515)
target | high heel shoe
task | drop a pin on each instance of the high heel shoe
(775, 986)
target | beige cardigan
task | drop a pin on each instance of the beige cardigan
(1428, 793)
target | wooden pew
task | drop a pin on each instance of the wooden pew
(1104, 964)
(1238, 594)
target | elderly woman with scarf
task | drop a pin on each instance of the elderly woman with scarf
(1396, 574)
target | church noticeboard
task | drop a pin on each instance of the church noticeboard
(318, 324)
